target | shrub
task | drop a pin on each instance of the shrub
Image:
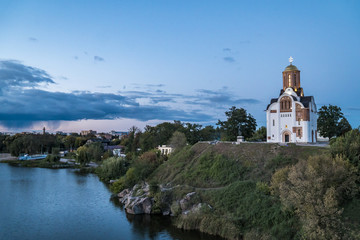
(118, 185)
(316, 188)
(348, 146)
(111, 168)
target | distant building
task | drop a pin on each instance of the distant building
(87, 132)
(120, 134)
(116, 150)
(292, 117)
(107, 136)
(165, 150)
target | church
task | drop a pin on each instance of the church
(292, 117)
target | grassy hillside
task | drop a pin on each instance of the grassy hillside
(235, 181)
(205, 165)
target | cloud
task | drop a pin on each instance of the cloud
(32, 39)
(229, 59)
(33, 105)
(98, 59)
(107, 86)
(221, 98)
(76, 57)
(226, 49)
(354, 108)
(15, 74)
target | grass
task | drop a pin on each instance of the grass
(234, 180)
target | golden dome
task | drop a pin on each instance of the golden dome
(291, 68)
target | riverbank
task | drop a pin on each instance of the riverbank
(38, 164)
(232, 191)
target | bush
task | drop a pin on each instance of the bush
(316, 188)
(118, 185)
(348, 146)
(52, 158)
(111, 168)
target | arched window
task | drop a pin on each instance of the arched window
(289, 80)
(285, 104)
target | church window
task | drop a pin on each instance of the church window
(289, 80)
(299, 132)
(273, 122)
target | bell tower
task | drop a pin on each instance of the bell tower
(291, 79)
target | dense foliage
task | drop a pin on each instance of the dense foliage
(331, 122)
(89, 152)
(315, 189)
(238, 122)
(112, 168)
(348, 146)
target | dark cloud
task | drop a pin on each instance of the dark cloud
(229, 59)
(32, 39)
(23, 103)
(15, 74)
(98, 59)
(226, 49)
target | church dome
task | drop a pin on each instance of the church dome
(291, 68)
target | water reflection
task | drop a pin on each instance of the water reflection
(58, 204)
(158, 227)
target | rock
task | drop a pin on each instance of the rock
(185, 202)
(123, 193)
(112, 181)
(166, 213)
(137, 205)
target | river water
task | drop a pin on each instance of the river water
(38, 203)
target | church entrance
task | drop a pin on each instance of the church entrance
(287, 138)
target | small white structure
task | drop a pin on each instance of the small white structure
(165, 150)
(292, 117)
(239, 139)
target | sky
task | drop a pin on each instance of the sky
(109, 65)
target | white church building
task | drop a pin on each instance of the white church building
(292, 117)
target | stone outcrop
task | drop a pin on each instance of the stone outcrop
(138, 201)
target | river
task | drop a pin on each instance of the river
(37, 203)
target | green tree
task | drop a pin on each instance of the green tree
(82, 155)
(192, 132)
(111, 168)
(315, 189)
(331, 122)
(348, 146)
(69, 142)
(343, 127)
(178, 140)
(259, 135)
(208, 133)
(238, 122)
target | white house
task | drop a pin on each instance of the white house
(292, 117)
(165, 150)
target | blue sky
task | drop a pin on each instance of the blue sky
(72, 65)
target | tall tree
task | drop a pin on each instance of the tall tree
(259, 135)
(238, 122)
(331, 121)
(178, 140)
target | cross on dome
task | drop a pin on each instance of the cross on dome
(291, 60)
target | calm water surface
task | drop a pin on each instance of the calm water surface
(52, 204)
